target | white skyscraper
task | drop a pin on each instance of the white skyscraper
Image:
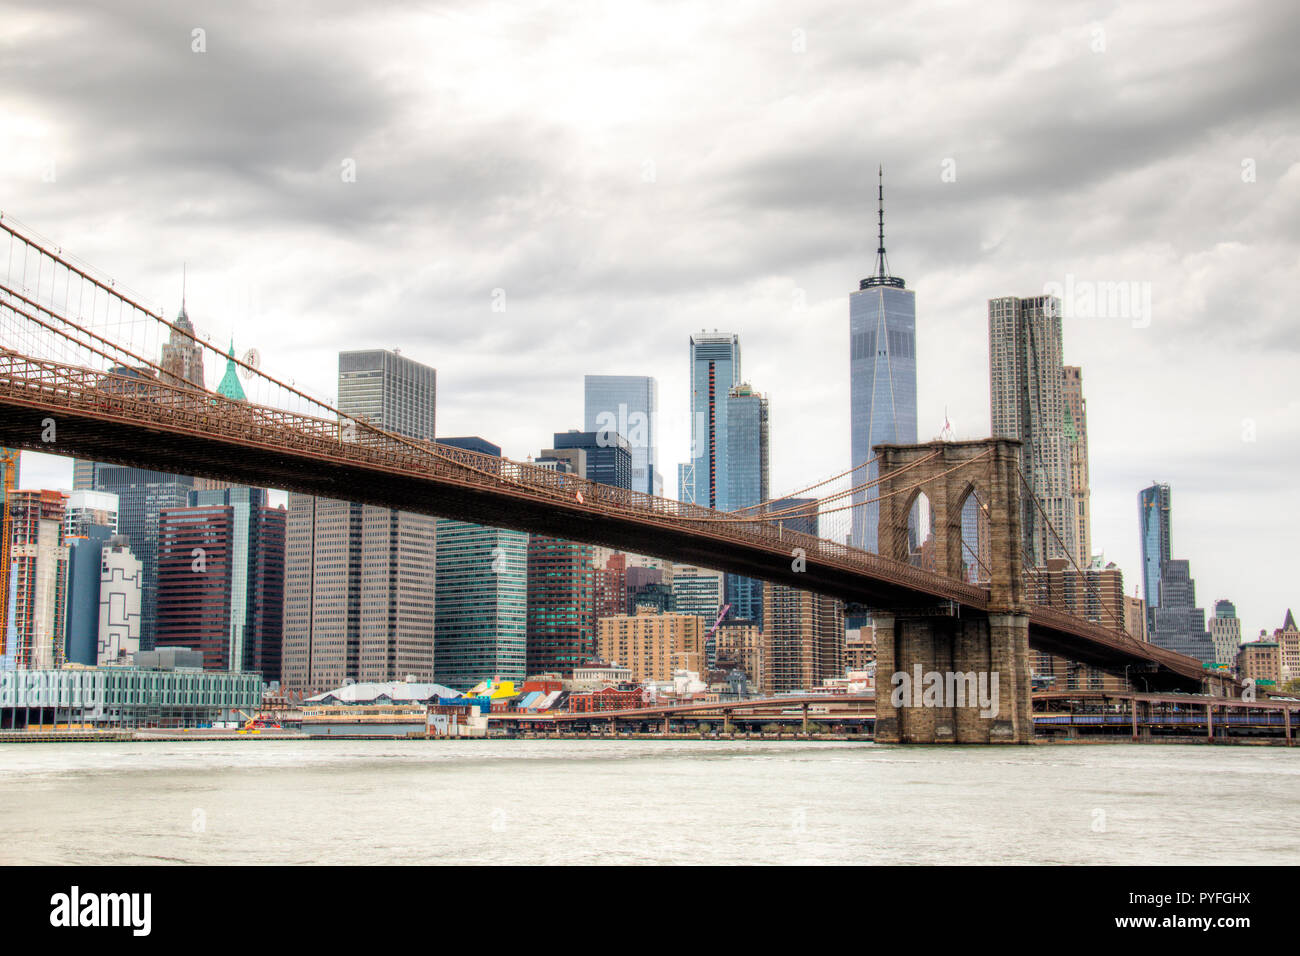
(121, 579)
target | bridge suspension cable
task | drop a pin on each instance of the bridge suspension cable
(93, 341)
(803, 491)
(813, 507)
(1083, 577)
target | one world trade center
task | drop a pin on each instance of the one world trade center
(882, 379)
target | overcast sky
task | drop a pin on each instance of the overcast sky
(629, 173)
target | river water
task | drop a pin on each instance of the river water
(620, 801)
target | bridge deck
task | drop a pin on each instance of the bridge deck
(150, 424)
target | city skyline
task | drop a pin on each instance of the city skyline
(1000, 235)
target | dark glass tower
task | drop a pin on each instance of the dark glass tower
(1154, 521)
(628, 406)
(747, 483)
(715, 370)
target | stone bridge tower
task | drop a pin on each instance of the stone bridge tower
(978, 658)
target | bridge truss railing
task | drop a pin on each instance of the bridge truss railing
(131, 398)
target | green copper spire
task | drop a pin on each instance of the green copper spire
(230, 386)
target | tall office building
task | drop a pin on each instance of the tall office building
(803, 638)
(389, 390)
(1156, 526)
(747, 483)
(121, 578)
(1260, 661)
(1135, 617)
(1027, 402)
(606, 457)
(609, 583)
(698, 591)
(1225, 632)
(1178, 624)
(627, 405)
(482, 598)
(83, 475)
(86, 508)
(39, 563)
(396, 625)
(85, 554)
(142, 495)
(715, 370)
(561, 582)
(652, 643)
(1076, 437)
(221, 580)
(739, 646)
(1287, 638)
(804, 633)
(359, 580)
(182, 355)
(882, 378)
(322, 594)
(481, 624)
(398, 578)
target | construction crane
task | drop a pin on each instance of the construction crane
(722, 613)
(8, 482)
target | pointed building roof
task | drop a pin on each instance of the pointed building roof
(1289, 623)
(230, 386)
(183, 317)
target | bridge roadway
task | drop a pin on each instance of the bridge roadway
(174, 428)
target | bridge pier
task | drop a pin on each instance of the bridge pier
(943, 678)
(948, 680)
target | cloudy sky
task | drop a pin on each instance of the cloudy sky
(629, 173)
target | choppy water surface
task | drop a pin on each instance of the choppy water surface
(261, 801)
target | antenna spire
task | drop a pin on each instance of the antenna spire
(880, 196)
(881, 276)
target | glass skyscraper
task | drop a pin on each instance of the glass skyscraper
(482, 597)
(1179, 624)
(747, 483)
(882, 379)
(482, 604)
(628, 405)
(1155, 524)
(715, 370)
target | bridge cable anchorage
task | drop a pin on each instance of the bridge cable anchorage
(1095, 592)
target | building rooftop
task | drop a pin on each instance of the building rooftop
(378, 693)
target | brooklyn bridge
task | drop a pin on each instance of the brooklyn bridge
(79, 377)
